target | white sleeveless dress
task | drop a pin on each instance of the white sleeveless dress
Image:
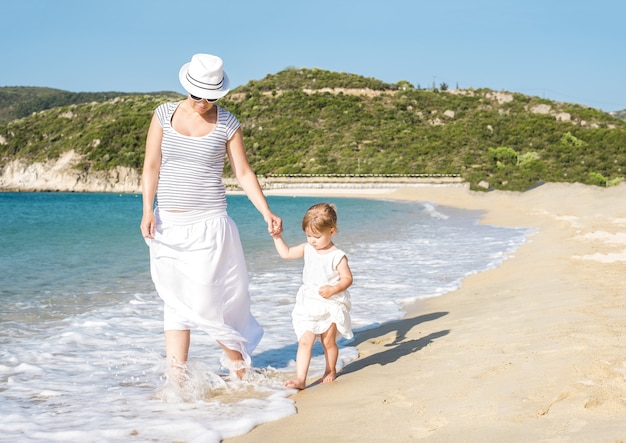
(313, 312)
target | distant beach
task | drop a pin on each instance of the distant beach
(530, 351)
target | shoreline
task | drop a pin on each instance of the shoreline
(529, 351)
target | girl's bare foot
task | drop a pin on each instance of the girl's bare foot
(295, 384)
(329, 377)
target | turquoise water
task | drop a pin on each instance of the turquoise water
(81, 351)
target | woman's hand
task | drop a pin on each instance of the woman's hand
(147, 226)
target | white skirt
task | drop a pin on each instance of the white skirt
(316, 314)
(199, 270)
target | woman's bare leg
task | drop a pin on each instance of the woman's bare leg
(176, 352)
(331, 353)
(237, 359)
(303, 360)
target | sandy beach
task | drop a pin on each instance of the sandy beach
(532, 351)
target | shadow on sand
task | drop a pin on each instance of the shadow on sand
(397, 349)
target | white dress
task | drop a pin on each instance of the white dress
(199, 270)
(313, 312)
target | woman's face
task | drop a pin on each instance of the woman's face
(201, 106)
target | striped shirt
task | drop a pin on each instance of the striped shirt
(192, 167)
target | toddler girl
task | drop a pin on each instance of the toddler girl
(323, 302)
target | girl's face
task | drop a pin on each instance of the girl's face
(320, 240)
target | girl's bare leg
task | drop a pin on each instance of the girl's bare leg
(331, 353)
(303, 360)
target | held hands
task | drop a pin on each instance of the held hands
(274, 225)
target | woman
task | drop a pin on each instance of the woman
(196, 257)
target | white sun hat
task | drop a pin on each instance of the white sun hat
(204, 77)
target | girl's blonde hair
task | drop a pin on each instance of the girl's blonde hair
(319, 218)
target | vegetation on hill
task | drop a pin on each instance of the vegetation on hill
(314, 79)
(620, 114)
(311, 121)
(21, 101)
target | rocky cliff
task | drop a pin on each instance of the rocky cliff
(65, 175)
(62, 175)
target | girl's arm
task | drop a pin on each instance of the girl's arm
(345, 280)
(150, 176)
(249, 181)
(286, 252)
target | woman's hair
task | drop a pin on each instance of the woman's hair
(319, 218)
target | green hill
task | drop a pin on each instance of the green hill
(21, 101)
(311, 121)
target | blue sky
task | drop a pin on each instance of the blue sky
(564, 50)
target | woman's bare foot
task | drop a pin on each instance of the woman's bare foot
(235, 366)
(329, 377)
(295, 384)
(233, 361)
(241, 373)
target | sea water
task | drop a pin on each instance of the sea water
(81, 342)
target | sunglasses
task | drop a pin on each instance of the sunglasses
(198, 99)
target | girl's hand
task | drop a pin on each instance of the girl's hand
(326, 291)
